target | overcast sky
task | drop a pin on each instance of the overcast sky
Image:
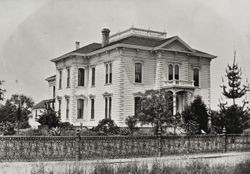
(33, 32)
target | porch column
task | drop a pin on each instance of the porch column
(174, 103)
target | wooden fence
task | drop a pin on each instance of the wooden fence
(83, 148)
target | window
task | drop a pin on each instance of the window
(196, 77)
(138, 72)
(81, 76)
(108, 106)
(92, 108)
(67, 108)
(36, 115)
(80, 108)
(68, 77)
(60, 79)
(59, 107)
(136, 104)
(108, 74)
(54, 91)
(93, 77)
(176, 73)
(170, 72)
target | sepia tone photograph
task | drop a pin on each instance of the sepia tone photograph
(122, 87)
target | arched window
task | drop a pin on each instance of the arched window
(176, 73)
(138, 72)
(170, 72)
(196, 77)
(81, 76)
(80, 108)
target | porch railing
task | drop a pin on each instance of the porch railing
(179, 83)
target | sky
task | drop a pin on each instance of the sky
(32, 32)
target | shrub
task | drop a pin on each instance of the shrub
(66, 126)
(7, 128)
(49, 118)
(131, 122)
(106, 126)
(124, 131)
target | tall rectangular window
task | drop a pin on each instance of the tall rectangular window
(60, 79)
(170, 72)
(136, 104)
(176, 72)
(196, 77)
(108, 107)
(81, 76)
(93, 77)
(54, 91)
(138, 72)
(108, 73)
(92, 108)
(68, 77)
(59, 106)
(80, 108)
(67, 108)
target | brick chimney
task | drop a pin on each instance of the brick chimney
(105, 36)
(77, 45)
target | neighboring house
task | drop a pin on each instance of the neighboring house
(40, 107)
(105, 80)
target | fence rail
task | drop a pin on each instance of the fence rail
(82, 148)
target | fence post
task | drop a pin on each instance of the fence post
(78, 141)
(225, 139)
(159, 141)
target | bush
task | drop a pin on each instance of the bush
(106, 127)
(7, 128)
(49, 118)
(124, 131)
(66, 126)
(131, 122)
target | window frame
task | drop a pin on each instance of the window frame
(80, 108)
(196, 83)
(68, 77)
(176, 72)
(60, 79)
(108, 106)
(67, 108)
(170, 72)
(81, 77)
(139, 74)
(108, 73)
(93, 76)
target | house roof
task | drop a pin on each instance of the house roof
(51, 78)
(135, 40)
(41, 104)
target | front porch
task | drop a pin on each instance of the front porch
(182, 92)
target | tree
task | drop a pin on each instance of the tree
(235, 118)
(233, 74)
(155, 108)
(49, 118)
(16, 110)
(196, 117)
(2, 91)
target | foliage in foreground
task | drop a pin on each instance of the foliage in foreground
(156, 168)
(196, 117)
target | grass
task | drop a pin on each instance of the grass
(195, 167)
